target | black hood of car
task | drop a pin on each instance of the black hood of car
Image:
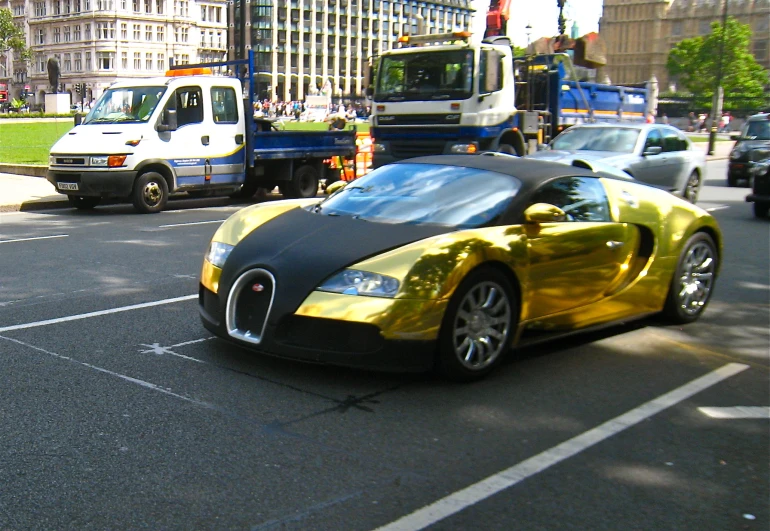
(301, 249)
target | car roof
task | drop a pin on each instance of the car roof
(759, 117)
(626, 125)
(530, 172)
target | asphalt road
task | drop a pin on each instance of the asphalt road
(119, 411)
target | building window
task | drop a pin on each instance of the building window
(161, 61)
(41, 63)
(77, 6)
(78, 63)
(105, 60)
(203, 13)
(135, 5)
(704, 27)
(88, 62)
(124, 60)
(124, 31)
(40, 37)
(87, 28)
(676, 28)
(184, 34)
(39, 9)
(18, 10)
(161, 34)
(137, 61)
(148, 33)
(760, 51)
(123, 4)
(67, 7)
(159, 7)
(56, 35)
(148, 61)
(56, 7)
(67, 34)
(137, 32)
(148, 6)
(67, 63)
(76, 33)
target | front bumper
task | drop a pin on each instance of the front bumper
(90, 183)
(326, 341)
(739, 170)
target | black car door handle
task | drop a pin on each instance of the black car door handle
(205, 140)
(239, 139)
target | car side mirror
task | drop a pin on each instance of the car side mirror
(544, 213)
(168, 121)
(652, 150)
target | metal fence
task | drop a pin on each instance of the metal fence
(738, 106)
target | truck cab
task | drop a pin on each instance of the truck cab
(145, 138)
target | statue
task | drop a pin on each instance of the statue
(53, 75)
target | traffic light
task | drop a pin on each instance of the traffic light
(78, 88)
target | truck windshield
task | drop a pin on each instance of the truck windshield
(425, 76)
(125, 105)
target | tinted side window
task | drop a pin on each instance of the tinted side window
(654, 139)
(189, 105)
(223, 105)
(581, 198)
(671, 141)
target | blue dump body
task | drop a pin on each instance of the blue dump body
(272, 145)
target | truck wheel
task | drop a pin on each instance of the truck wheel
(304, 183)
(150, 193)
(83, 203)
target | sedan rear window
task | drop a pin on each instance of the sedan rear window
(425, 193)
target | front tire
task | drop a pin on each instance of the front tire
(693, 280)
(478, 326)
(761, 210)
(83, 203)
(692, 188)
(150, 193)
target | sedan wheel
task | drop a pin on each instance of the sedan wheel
(693, 280)
(692, 188)
(477, 327)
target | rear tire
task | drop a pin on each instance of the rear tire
(478, 326)
(303, 184)
(692, 188)
(150, 193)
(83, 203)
(693, 282)
(761, 210)
(732, 182)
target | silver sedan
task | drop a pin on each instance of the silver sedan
(659, 155)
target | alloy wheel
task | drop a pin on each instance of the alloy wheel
(696, 279)
(482, 325)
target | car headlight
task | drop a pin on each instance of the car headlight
(355, 282)
(51, 160)
(218, 253)
(100, 160)
(464, 148)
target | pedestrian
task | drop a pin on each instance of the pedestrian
(665, 119)
(650, 117)
(724, 123)
(693, 122)
(702, 123)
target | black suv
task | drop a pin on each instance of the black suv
(760, 179)
(752, 144)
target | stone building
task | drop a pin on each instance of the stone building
(99, 41)
(301, 44)
(640, 33)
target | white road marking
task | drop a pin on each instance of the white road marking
(737, 412)
(155, 348)
(130, 379)
(496, 483)
(58, 320)
(35, 238)
(191, 223)
(713, 209)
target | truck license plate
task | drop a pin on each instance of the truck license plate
(68, 186)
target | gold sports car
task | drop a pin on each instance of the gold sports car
(448, 261)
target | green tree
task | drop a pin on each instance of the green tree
(695, 62)
(12, 37)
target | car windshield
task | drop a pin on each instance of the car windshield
(424, 193)
(756, 130)
(439, 75)
(128, 104)
(615, 139)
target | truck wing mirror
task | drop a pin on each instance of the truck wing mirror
(168, 121)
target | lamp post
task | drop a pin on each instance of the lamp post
(528, 29)
(562, 20)
(716, 104)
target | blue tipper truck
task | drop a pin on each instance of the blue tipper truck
(189, 131)
(443, 93)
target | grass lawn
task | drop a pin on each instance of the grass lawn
(29, 142)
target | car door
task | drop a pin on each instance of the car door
(187, 147)
(226, 141)
(649, 167)
(677, 161)
(578, 261)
